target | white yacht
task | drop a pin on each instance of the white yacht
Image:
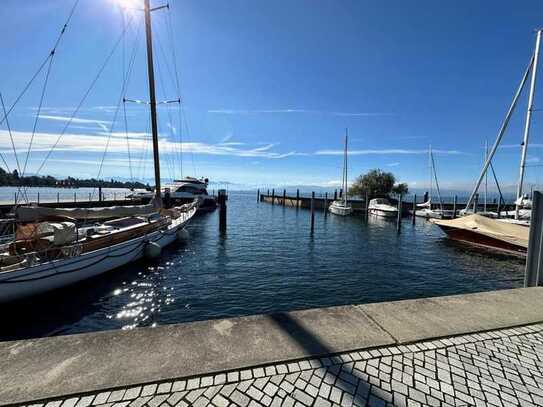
(382, 207)
(341, 207)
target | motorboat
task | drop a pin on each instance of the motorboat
(382, 207)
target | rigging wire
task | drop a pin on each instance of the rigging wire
(118, 106)
(40, 68)
(86, 94)
(10, 134)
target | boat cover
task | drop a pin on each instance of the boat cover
(37, 213)
(426, 204)
(507, 232)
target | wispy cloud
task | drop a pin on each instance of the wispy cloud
(301, 111)
(102, 124)
(389, 151)
(139, 142)
(393, 164)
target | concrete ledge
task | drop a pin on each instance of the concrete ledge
(51, 367)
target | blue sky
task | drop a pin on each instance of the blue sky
(268, 88)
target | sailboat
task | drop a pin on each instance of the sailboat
(495, 233)
(53, 248)
(426, 210)
(342, 207)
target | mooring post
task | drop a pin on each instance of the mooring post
(75, 197)
(284, 197)
(273, 196)
(454, 206)
(335, 194)
(312, 211)
(425, 198)
(38, 198)
(475, 203)
(499, 208)
(257, 195)
(100, 194)
(413, 218)
(340, 193)
(90, 198)
(326, 204)
(268, 194)
(222, 209)
(367, 203)
(58, 197)
(399, 225)
(297, 198)
(534, 273)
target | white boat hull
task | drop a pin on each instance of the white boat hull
(340, 210)
(38, 279)
(383, 213)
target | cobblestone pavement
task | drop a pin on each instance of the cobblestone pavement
(498, 368)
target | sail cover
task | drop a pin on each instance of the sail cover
(426, 204)
(37, 213)
(507, 232)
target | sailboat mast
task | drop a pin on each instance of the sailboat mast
(486, 177)
(345, 169)
(528, 121)
(430, 173)
(152, 97)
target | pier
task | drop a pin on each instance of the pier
(475, 349)
(322, 201)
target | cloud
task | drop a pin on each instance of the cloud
(139, 142)
(302, 111)
(102, 124)
(390, 151)
(393, 164)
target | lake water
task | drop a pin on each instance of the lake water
(267, 261)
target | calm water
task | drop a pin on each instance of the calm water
(266, 262)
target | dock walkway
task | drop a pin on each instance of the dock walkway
(469, 350)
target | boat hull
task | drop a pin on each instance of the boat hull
(340, 210)
(483, 241)
(30, 281)
(383, 213)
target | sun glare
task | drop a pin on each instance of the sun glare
(129, 5)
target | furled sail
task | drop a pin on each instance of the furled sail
(38, 213)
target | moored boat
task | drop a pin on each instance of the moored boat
(341, 207)
(488, 233)
(382, 207)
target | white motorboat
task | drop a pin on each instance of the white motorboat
(187, 189)
(341, 207)
(382, 207)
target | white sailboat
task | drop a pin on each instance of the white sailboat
(53, 248)
(426, 210)
(342, 207)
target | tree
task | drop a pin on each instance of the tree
(400, 189)
(376, 183)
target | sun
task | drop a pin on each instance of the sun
(129, 4)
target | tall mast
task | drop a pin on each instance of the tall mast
(152, 98)
(486, 176)
(528, 121)
(430, 172)
(345, 169)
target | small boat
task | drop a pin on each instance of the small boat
(426, 211)
(342, 207)
(488, 233)
(382, 207)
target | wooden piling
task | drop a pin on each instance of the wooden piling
(326, 204)
(257, 195)
(58, 197)
(284, 197)
(38, 198)
(340, 193)
(297, 198)
(100, 194)
(335, 194)
(454, 206)
(273, 196)
(414, 217)
(222, 209)
(312, 212)
(75, 197)
(399, 220)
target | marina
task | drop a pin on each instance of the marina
(174, 230)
